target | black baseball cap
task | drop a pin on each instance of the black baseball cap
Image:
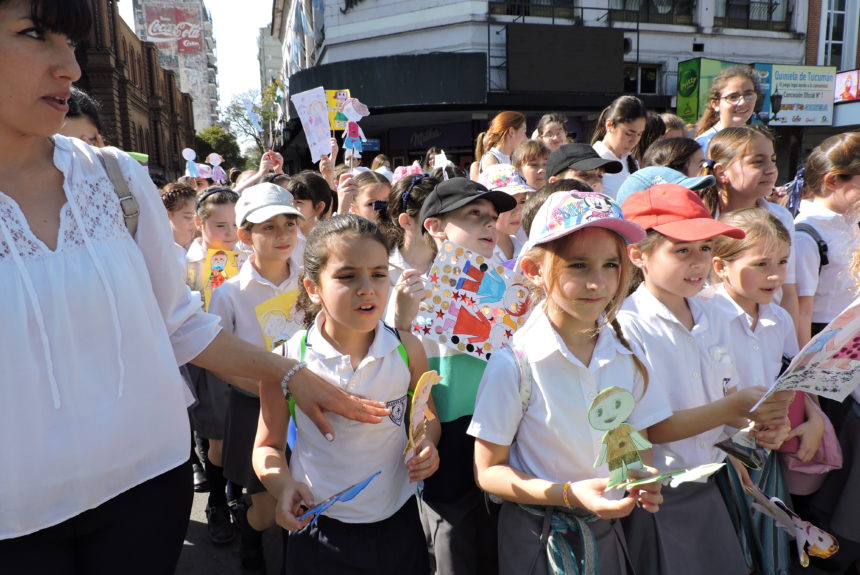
(580, 157)
(455, 193)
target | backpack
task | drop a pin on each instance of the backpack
(130, 208)
(822, 245)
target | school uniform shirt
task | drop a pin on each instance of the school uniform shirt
(361, 449)
(692, 367)
(611, 182)
(834, 287)
(91, 399)
(757, 352)
(518, 244)
(553, 440)
(704, 139)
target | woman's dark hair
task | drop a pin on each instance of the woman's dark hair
(309, 185)
(82, 105)
(451, 171)
(406, 197)
(429, 157)
(379, 161)
(72, 18)
(343, 227)
(671, 152)
(548, 119)
(213, 196)
(175, 195)
(655, 127)
(622, 110)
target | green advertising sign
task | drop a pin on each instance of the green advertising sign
(695, 78)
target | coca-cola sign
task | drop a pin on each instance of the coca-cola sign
(180, 24)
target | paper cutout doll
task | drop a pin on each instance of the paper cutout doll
(810, 540)
(418, 411)
(353, 136)
(346, 495)
(621, 443)
(278, 319)
(190, 167)
(218, 173)
(221, 265)
(335, 100)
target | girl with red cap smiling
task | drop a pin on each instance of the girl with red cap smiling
(686, 341)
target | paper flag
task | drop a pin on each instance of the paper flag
(279, 319)
(334, 101)
(220, 266)
(476, 305)
(829, 365)
(418, 411)
(810, 539)
(346, 495)
(620, 445)
(313, 113)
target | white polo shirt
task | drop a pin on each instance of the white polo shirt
(692, 367)
(834, 288)
(611, 182)
(235, 301)
(361, 449)
(553, 440)
(758, 352)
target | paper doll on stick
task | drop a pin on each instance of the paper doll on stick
(621, 443)
(353, 136)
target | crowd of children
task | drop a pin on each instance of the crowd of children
(657, 267)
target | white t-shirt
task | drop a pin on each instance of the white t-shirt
(361, 449)
(834, 288)
(758, 352)
(692, 367)
(91, 399)
(612, 182)
(553, 439)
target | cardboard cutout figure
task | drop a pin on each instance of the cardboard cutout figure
(621, 443)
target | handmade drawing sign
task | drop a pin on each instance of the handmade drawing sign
(476, 305)
(335, 100)
(810, 539)
(313, 113)
(829, 365)
(278, 318)
(620, 446)
(221, 265)
(347, 494)
(418, 412)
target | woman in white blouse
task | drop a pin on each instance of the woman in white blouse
(93, 426)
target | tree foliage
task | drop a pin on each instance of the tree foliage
(217, 139)
(263, 107)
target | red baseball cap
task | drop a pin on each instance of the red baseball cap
(677, 213)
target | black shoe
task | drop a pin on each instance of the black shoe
(220, 528)
(201, 485)
(251, 556)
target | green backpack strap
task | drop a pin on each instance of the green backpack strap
(303, 348)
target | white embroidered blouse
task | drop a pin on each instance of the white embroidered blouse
(91, 400)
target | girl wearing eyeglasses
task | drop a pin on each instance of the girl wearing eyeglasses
(731, 103)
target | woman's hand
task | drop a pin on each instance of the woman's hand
(771, 437)
(315, 396)
(346, 192)
(810, 432)
(771, 413)
(289, 505)
(409, 292)
(267, 163)
(424, 463)
(589, 494)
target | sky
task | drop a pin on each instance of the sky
(236, 26)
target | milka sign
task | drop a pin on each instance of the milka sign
(181, 24)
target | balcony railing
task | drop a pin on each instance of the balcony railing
(753, 14)
(554, 9)
(652, 11)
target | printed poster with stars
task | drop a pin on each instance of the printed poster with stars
(475, 306)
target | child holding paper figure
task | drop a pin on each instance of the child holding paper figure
(461, 528)
(345, 288)
(686, 341)
(532, 448)
(268, 222)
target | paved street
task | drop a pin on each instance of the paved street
(200, 557)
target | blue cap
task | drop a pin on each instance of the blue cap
(654, 175)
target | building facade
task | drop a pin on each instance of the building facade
(182, 31)
(142, 108)
(435, 71)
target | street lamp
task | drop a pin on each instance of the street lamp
(775, 105)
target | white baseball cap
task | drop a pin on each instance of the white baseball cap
(263, 201)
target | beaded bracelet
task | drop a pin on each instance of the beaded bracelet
(564, 495)
(290, 373)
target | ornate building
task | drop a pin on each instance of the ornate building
(142, 107)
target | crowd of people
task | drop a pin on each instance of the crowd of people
(662, 259)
